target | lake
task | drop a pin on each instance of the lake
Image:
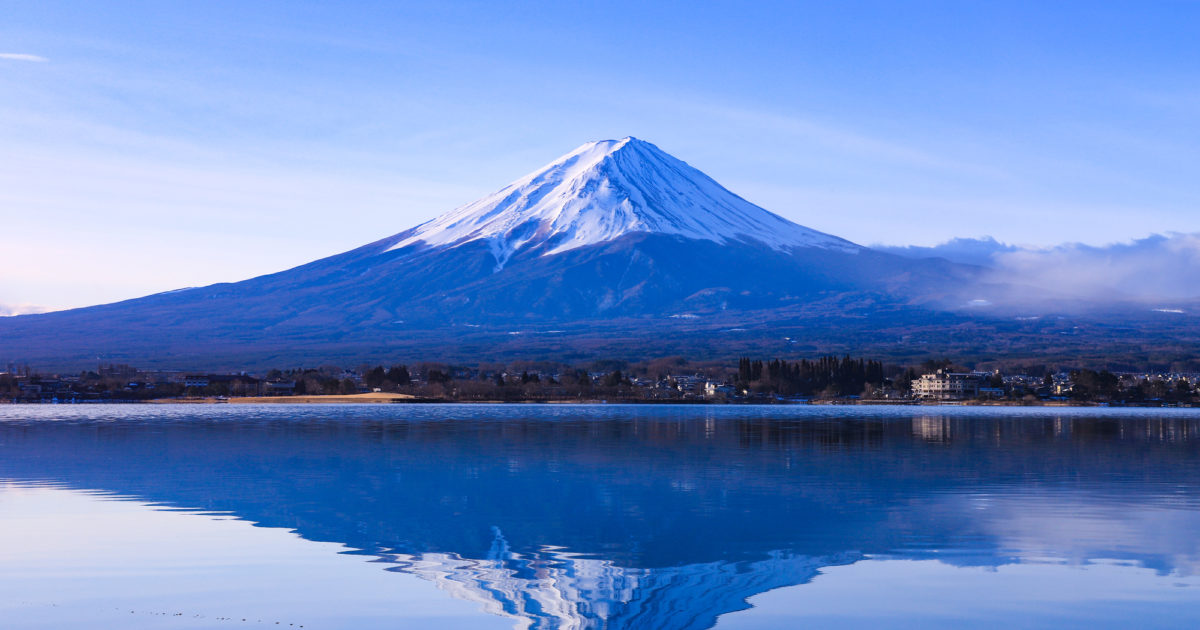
(598, 516)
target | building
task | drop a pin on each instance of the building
(943, 385)
(713, 389)
(235, 384)
(279, 388)
(119, 371)
(195, 380)
(688, 383)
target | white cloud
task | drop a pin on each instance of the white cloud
(23, 57)
(8, 310)
(1158, 268)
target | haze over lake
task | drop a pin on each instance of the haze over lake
(528, 516)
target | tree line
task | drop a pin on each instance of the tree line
(829, 375)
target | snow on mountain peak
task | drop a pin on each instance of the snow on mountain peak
(604, 190)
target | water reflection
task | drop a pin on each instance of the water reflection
(651, 517)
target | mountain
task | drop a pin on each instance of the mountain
(618, 228)
(616, 248)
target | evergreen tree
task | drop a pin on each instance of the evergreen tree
(399, 375)
(375, 376)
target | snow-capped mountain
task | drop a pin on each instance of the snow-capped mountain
(557, 589)
(604, 190)
(615, 234)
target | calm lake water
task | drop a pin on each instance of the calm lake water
(445, 516)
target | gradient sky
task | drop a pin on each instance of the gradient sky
(151, 146)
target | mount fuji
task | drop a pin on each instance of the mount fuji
(615, 249)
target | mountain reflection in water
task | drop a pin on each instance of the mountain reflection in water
(648, 517)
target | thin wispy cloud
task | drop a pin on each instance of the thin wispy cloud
(23, 57)
(829, 135)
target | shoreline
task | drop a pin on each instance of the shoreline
(374, 398)
(379, 398)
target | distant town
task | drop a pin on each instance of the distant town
(670, 380)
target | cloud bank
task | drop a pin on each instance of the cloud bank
(1157, 270)
(23, 57)
(970, 251)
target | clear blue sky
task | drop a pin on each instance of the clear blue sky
(149, 146)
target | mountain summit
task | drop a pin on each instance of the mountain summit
(604, 190)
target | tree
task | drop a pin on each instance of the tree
(375, 377)
(1183, 390)
(828, 376)
(1091, 385)
(933, 365)
(905, 380)
(399, 375)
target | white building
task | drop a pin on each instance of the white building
(943, 385)
(713, 388)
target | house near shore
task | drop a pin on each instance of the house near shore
(712, 389)
(688, 383)
(236, 384)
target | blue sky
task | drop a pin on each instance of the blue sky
(149, 146)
